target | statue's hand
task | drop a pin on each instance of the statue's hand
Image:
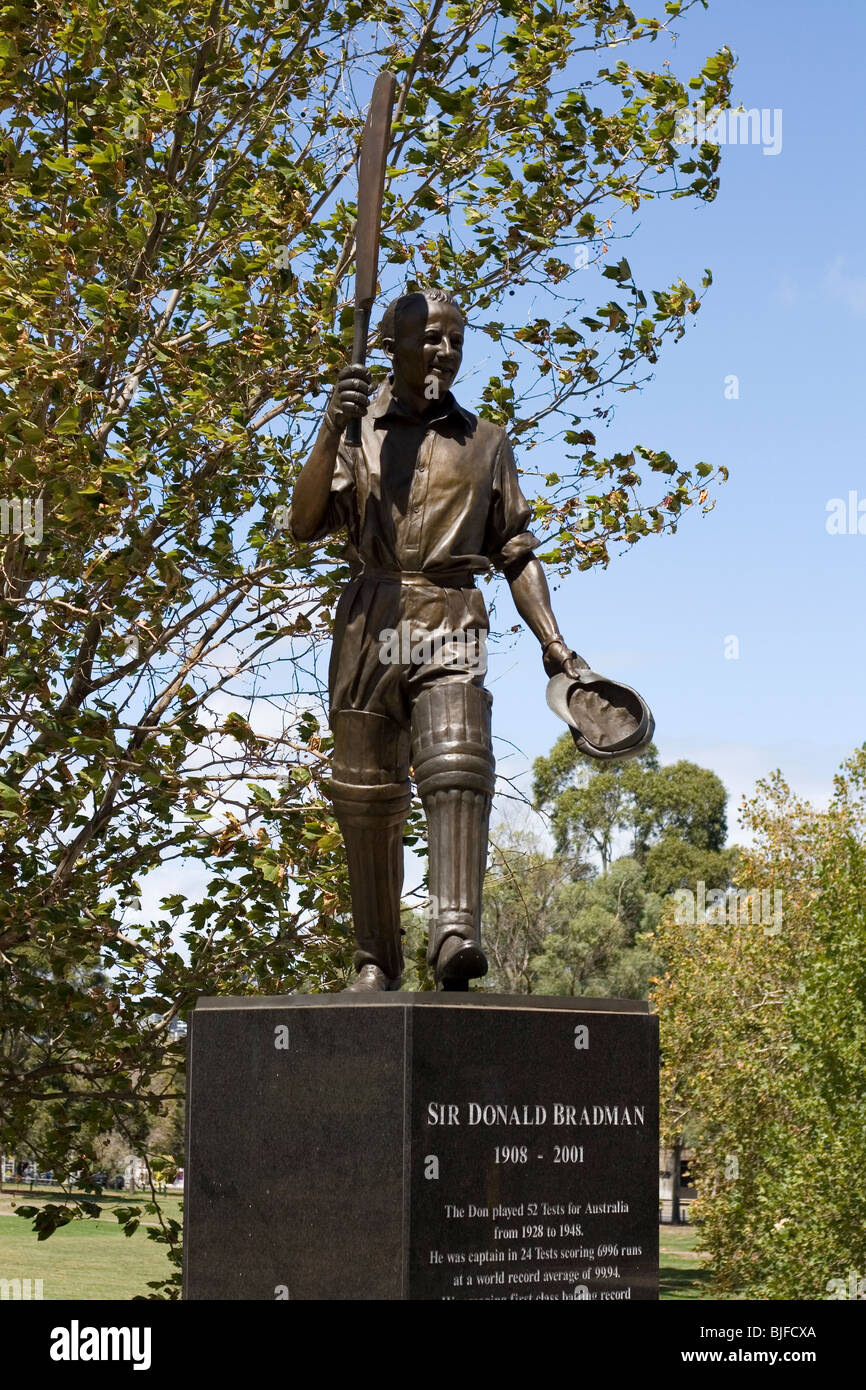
(559, 657)
(350, 398)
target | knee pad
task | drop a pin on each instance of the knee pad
(369, 807)
(451, 740)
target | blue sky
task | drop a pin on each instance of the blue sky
(785, 314)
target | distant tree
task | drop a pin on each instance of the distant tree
(589, 803)
(596, 942)
(673, 816)
(522, 886)
(553, 926)
(680, 827)
(681, 799)
(674, 863)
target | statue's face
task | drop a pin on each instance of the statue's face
(428, 347)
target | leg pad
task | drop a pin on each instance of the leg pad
(456, 773)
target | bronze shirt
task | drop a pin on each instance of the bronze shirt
(435, 494)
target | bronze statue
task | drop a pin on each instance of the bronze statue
(429, 499)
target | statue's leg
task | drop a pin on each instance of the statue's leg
(371, 795)
(452, 756)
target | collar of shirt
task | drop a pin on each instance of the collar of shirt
(387, 409)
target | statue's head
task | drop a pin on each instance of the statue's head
(423, 333)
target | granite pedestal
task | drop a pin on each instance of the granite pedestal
(422, 1146)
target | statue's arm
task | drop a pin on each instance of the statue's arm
(509, 544)
(313, 486)
(531, 596)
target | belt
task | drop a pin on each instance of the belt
(443, 579)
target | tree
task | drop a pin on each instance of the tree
(595, 945)
(590, 802)
(674, 816)
(681, 826)
(551, 924)
(521, 888)
(177, 244)
(764, 1044)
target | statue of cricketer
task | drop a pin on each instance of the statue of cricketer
(429, 500)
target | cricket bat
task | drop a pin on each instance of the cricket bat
(371, 185)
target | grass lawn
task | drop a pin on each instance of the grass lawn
(86, 1259)
(680, 1272)
(21, 1196)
